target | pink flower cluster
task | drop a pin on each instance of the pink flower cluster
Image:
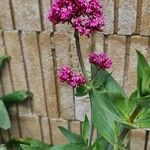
(101, 60)
(73, 78)
(84, 15)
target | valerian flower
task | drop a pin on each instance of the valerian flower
(85, 16)
(74, 79)
(101, 60)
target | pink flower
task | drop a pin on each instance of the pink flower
(85, 16)
(101, 60)
(73, 78)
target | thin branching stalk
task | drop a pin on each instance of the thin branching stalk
(81, 62)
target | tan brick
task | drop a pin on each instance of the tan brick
(127, 17)
(5, 135)
(145, 18)
(75, 127)
(5, 15)
(27, 15)
(46, 130)
(14, 130)
(17, 66)
(148, 146)
(30, 126)
(108, 6)
(45, 7)
(137, 139)
(116, 50)
(6, 78)
(33, 67)
(141, 44)
(57, 136)
(62, 47)
(48, 74)
(99, 42)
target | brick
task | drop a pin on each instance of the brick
(127, 17)
(75, 127)
(33, 68)
(62, 48)
(116, 50)
(99, 42)
(6, 77)
(45, 6)
(145, 18)
(137, 139)
(82, 107)
(5, 135)
(148, 146)
(46, 130)
(5, 15)
(57, 136)
(17, 66)
(30, 126)
(14, 130)
(108, 9)
(48, 74)
(141, 44)
(26, 13)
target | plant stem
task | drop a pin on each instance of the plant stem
(133, 116)
(79, 54)
(81, 62)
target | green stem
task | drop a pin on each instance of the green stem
(79, 54)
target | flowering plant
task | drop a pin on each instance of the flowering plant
(113, 113)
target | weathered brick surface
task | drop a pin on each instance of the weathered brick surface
(14, 130)
(141, 44)
(27, 16)
(45, 125)
(16, 65)
(127, 17)
(116, 50)
(137, 139)
(45, 6)
(145, 18)
(33, 67)
(62, 48)
(6, 77)
(108, 10)
(57, 136)
(5, 15)
(30, 126)
(48, 74)
(75, 126)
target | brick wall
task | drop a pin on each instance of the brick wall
(38, 48)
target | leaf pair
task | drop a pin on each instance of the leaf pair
(6, 101)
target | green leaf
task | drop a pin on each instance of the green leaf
(86, 129)
(3, 60)
(4, 117)
(144, 101)
(82, 90)
(16, 97)
(109, 83)
(143, 78)
(132, 103)
(66, 147)
(103, 118)
(28, 147)
(72, 137)
(3, 147)
(143, 119)
(99, 144)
